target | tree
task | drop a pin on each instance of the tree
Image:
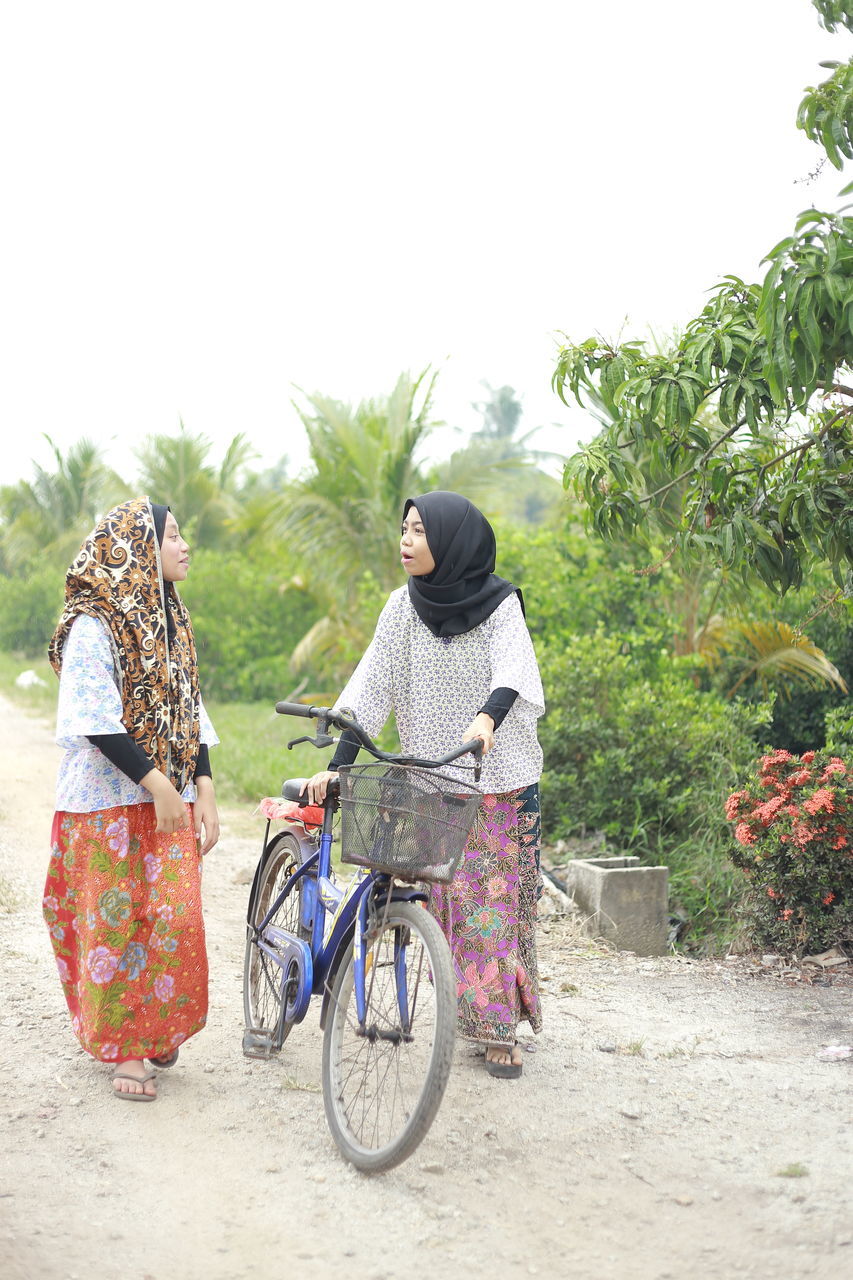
(344, 513)
(48, 516)
(497, 468)
(206, 499)
(765, 489)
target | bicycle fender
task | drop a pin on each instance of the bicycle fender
(306, 849)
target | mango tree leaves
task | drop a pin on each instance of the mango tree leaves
(738, 445)
(835, 13)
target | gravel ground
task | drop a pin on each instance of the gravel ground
(674, 1114)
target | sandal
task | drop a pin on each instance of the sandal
(162, 1063)
(126, 1095)
(503, 1070)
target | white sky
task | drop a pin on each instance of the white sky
(206, 203)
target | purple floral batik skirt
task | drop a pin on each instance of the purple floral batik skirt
(488, 915)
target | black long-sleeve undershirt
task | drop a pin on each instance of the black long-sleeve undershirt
(126, 754)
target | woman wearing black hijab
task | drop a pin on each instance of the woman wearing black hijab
(452, 657)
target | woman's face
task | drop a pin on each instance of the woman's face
(414, 548)
(174, 552)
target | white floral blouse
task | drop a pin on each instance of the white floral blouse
(90, 702)
(435, 686)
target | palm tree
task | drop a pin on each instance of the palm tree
(497, 468)
(50, 515)
(206, 499)
(343, 514)
(765, 654)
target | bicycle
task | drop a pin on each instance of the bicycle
(372, 950)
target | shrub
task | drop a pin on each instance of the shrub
(649, 761)
(248, 616)
(794, 842)
(30, 609)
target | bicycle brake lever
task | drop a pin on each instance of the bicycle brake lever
(321, 740)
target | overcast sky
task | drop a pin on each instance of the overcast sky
(207, 205)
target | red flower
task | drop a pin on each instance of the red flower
(808, 756)
(830, 897)
(765, 813)
(786, 914)
(802, 833)
(822, 799)
(744, 833)
(733, 804)
(771, 892)
(800, 777)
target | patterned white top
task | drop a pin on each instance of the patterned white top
(90, 702)
(435, 686)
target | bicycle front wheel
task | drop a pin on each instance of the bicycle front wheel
(383, 1082)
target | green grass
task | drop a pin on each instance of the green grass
(252, 759)
(40, 700)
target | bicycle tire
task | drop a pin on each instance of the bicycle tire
(262, 985)
(381, 1094)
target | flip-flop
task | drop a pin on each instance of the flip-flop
(162, 1063)
(126, 1096)
(503, 1070)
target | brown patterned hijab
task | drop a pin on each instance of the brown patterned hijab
(116, 577)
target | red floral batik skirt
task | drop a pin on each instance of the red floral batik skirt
(123, 905)
(488, 915)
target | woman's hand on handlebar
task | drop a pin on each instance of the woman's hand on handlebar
(316, 786)
(482, 727)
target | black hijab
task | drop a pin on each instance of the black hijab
(159, 513)
(462, 589)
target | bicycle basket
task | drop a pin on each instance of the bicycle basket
(409, 822)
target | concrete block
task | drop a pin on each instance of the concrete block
(623, 902)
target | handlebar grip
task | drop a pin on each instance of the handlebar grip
(472, 746)
(295, 709)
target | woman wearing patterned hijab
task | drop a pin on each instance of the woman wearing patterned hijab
(452, 657)
(135, 806)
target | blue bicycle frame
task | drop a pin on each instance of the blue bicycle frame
(309, 968)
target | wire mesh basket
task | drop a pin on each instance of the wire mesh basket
(411, 823)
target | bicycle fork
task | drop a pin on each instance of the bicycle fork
(364, 972)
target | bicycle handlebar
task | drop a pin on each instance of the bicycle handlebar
(326, 716)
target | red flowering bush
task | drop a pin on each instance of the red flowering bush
(794, 840)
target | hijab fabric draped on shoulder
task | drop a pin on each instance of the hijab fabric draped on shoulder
(116, 577)
(463, 590)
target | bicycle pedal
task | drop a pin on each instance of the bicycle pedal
(258, 1044)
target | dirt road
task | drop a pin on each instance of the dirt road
(674, 1117)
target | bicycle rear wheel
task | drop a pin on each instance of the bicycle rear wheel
(383, 1084)
(263, 989)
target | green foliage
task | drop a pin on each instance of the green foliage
(793, 822)
(176, 470)
(835, 13)
(252, 759)
(763, 490)
(801, 717)
(838, 728)
(826, 114)
(248, 616)
(48, 517)
(648, 762)
(347, 509)
(29, 609)
(757, 492)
